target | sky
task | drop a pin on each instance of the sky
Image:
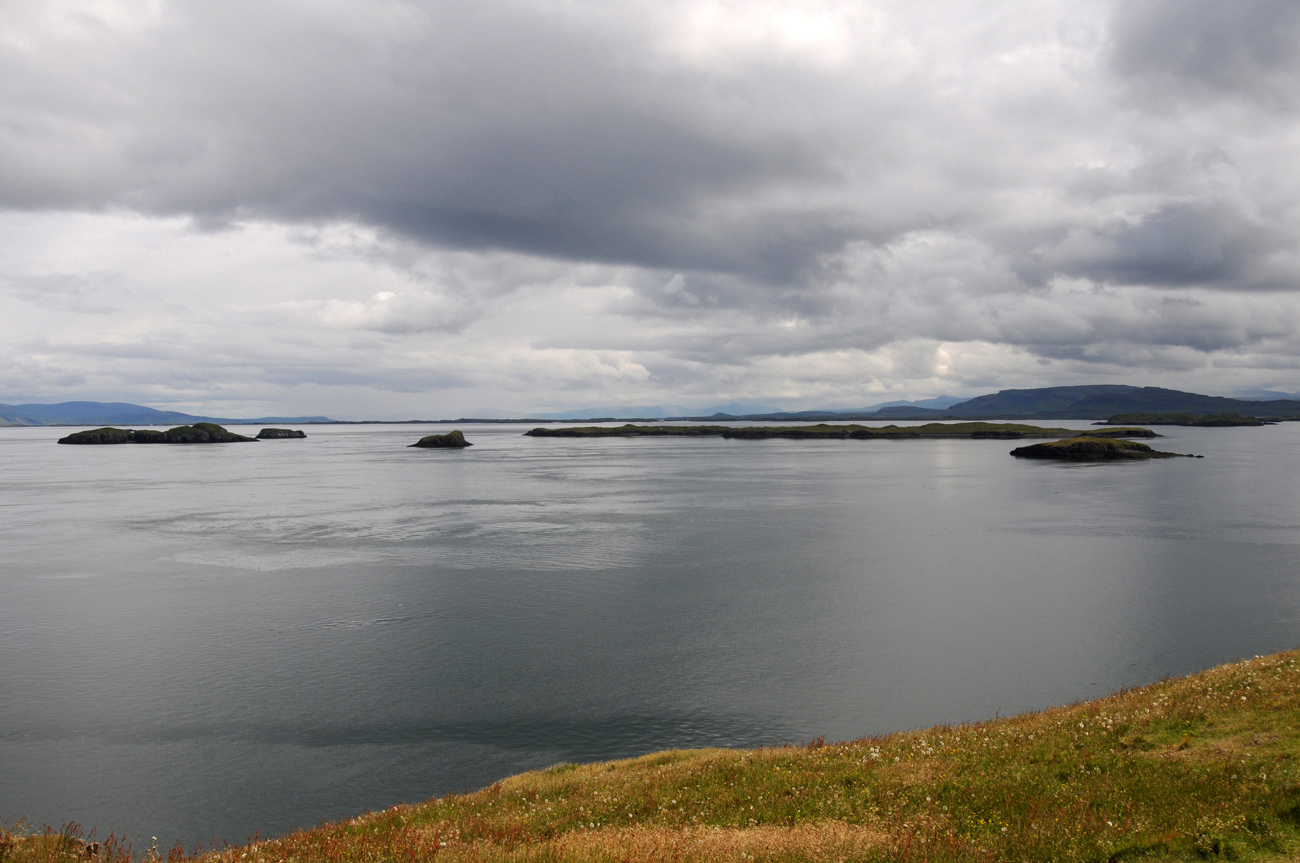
(383, 209)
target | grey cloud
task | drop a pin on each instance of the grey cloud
(1176, 245)
(1205, 47)
(71, 292)
(484, 126)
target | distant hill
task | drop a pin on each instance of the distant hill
(1096, 402)
(1265, 395)
(657, 412)
(936, 403)
(118, 413)
(1106, 400)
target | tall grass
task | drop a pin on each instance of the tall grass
(1196, 768)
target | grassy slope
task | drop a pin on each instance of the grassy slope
(1201, 767)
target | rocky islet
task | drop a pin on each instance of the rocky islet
(197, 433)
(451, 440)
(280, 434)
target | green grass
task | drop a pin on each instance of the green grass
(1196, 768)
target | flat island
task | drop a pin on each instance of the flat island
(1092, 448)
(1120, 433)
(821, 431)
(1173, 419)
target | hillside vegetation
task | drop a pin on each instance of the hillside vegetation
(1196, 768)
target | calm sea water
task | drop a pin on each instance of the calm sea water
(215, 640)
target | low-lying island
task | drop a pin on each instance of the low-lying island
(820, 431)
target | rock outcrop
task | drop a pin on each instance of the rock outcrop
(197, 433)
(450, 440)
(278, 434)
(1084, 448)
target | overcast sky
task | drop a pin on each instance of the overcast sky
(428, 209)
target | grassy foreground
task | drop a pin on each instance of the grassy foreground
(1202, 767)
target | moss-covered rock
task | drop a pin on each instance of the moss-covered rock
(277, 434)
(451, 440)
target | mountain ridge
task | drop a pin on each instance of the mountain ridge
(83, 413)
(1084, 402)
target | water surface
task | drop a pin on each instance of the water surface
(201, 641)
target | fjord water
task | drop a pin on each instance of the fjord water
(201, 641)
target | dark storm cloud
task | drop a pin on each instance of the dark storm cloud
(485, 125)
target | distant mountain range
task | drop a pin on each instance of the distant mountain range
(119, 413)
(734, 409)
(1104, 401)
(1097, 402)
(656, 411)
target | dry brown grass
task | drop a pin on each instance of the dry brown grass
(831, 841)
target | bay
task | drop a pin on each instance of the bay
(201, 642)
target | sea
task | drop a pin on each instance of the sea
(206, 643)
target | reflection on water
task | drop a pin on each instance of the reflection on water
(200, 640)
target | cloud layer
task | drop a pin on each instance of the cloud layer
(425, 208)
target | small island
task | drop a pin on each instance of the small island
(280, 434)
(197, 433)
(1172, 419)
(451, 440)
(1120, 433)
(820, 431)
(1092, 448)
